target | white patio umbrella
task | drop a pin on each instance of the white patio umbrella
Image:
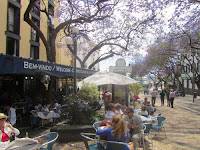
(101, 78)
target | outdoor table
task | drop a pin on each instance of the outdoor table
(43, 115)
(136, 111)
(148, 119)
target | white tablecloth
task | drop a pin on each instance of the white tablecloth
(148, 119)
(43, 115)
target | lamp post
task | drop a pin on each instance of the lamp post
(59, 45)
(70, 41)
(193, 67)
(73, 41)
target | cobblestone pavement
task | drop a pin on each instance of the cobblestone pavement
(182, 127)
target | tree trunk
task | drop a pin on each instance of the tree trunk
(52, 58)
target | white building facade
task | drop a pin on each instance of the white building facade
(187, 72)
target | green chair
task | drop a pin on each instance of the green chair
(148, 131)
(159, 126)
(52, 137)
(97, 144)
(96, 125)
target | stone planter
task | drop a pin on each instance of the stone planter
(69, 133)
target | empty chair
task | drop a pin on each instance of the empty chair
(142, 136)
(148, 131)
(159, 126)
(52, 136)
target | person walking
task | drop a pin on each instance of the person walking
(153, 98)
(167, 95)
(171, 97)
(145, 90)
(162, 97)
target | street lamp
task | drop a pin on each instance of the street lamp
(193, 72)
(73, 41)
(70, 41)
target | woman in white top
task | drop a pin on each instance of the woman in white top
(11, 114)
(111, 112)
(118, 109)
(6, 129)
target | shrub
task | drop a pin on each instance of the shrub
(135, 89)
(89, 92)
(81, 109)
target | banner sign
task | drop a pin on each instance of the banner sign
(17, 65)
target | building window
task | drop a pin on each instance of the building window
(187, 83)
(34, 52)
(51, 13)
(182, 69)
(35, 9)
(193, 67)
(34, 36)
(12, 47)
(13, 22)
(187, 68)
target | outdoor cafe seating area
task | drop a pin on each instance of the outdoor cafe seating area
(150, 123)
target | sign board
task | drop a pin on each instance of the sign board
(120, 67)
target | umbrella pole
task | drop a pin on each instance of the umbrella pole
(129, 101)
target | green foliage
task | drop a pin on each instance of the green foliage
(78, 111)
(89, 93)
(135, 89)
(81, 109)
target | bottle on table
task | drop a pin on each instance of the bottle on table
(12, 137)
(26, 134)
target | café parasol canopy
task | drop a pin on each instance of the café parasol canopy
(101, 78)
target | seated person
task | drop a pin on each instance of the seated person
(118, 109)
(116, 100)
(38, 107)
(53, 105)
(143, 111)
(6, 129)
(134, 123)
(150, 109)
(111, 112)
(116, 132)
(45, 108)
(123, 105)
(11, 114)
(145, 101)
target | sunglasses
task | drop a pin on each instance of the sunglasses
(2, 119)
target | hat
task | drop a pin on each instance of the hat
(2, 116)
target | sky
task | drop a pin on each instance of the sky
(104, 65)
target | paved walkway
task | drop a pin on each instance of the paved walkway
(182, 127)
